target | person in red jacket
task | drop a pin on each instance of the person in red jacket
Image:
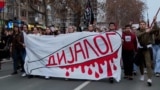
(128, 50)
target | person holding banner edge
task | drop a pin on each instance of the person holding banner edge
(15, 49)
(112, 27)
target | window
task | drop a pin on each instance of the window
(23, 13)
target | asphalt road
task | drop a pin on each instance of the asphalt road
(16, 82)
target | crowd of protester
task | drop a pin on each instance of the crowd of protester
(140, 47)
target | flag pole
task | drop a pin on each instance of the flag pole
(154, 19)
(148, 23)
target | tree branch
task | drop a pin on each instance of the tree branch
(43, 13)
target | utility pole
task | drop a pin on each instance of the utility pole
(27, 2)
(19, 12)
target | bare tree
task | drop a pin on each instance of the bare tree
(124, 11)
(78, 8)
(40, 6)
(60, 8)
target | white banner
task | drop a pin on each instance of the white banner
(80, 55)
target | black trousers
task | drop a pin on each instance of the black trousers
(128, 58)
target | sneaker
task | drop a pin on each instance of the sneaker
(111, 80)
(30, 76)
(157, 75)
(24, 74)
(149, 82)
(134, 73)
(46, 77)
(130, 78)
(145, 70)
(22, 70)
(14, 73)
(142, 78)
(125, 77)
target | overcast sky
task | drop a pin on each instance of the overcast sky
(153, 6)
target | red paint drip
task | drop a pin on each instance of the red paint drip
(67, 73)
(82, 69)
(109, 70)
(89, 71)
(98, 61)
(72, 69)
(96, 75)
(100, 69)
(114, 67)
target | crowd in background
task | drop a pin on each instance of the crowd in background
(140, 47)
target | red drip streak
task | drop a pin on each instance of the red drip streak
(100, 69)
(67, 73)
(72, 69)
(82, 69)
(99, 61)
(89, 71)
(96, 75)
(114, 67)
(109, 70)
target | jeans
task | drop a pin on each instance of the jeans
(15, 55)
(156, 57)
(135, 67)
(22, 55)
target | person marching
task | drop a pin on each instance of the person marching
(22, 47)
(15, 48)
(145, 39)
(70, 29)
(112, 27)
(91, 28)
(156, 50)
(129, 48)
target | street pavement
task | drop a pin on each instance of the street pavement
(16, 82)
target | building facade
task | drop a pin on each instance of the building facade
(21, 9)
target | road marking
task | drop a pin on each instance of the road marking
(5, 61)
(5, 76)
(82, 85)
